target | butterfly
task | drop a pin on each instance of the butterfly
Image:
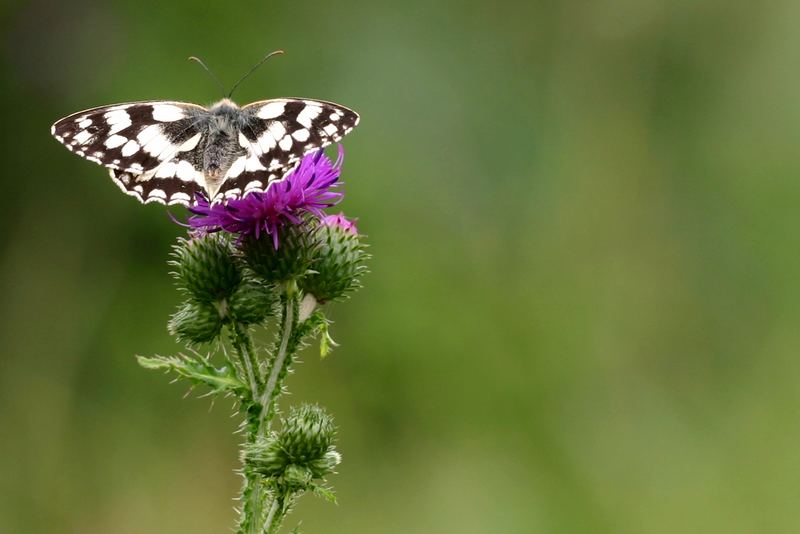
(166, 152)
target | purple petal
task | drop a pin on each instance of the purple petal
(306, 189)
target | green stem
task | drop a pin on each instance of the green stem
(277, 512)
(243, 346)
(252, 492)
(256, 505)
(273, 509)
(279, 365)
(262, 411)
(252, 505)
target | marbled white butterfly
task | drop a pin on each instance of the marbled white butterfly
(164, 151)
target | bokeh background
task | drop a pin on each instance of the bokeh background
(584, 307)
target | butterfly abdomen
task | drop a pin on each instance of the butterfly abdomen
(221, 150)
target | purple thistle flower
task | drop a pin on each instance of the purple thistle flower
(309, 188)
(339, 220)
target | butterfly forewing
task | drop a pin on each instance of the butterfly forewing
(277, 133)
(139, 142)
(130, 137)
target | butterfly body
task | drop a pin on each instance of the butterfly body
(222, 148)
(164, 151)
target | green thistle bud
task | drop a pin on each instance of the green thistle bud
(196, 322)
(206, 267)
(338, 261)
(291, 259)
(307, 434)
(301, 451)
(265, 456)
(253, 301)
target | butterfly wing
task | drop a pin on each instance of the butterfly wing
(277, 133)
(150, 147)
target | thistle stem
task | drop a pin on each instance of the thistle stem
(256, 504)
(262, 411)
(277, 512)
(253, 500)
(271, 516)
(244, 350)
(277, 368)
(251, 513)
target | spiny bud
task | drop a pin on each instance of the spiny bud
(290, 259)
(196, 322)
(338, 260)
(265, 456)
(303, 447)
(253, 301)
(307, 433)
(206, 267)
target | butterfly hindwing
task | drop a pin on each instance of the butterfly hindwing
(149, 188)
(277, 133)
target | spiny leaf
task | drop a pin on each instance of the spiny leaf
(317, 324)
(325, 492)
(197, 370)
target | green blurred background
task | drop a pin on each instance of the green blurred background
(584, 307)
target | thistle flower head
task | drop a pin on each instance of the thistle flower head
(206, 267)
(340, 221)
(338, 261)
(309, 188)
(196, 322)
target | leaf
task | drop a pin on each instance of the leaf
(317, 324)
(324, 492)
(326, 342)
(197, 370)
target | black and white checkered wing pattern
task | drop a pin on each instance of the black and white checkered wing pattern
(277, 133)
(150, 147)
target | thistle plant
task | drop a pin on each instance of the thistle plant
(272, 261)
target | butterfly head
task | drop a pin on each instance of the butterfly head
(224, 105)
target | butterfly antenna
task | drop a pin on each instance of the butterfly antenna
(243, 78)
(213, 76)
